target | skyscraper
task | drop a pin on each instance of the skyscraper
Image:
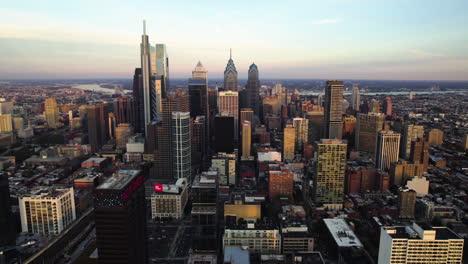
(120, 216)
(198, 140)
(407, 203)
(315, 125)
(387, 106)
(252, 87)
(7, 233)
(163, 136)
(97, 125)
(355, 98)
(162, 69)
(198, 92)
(138, 100)
(411, 132)
(125, 110)
(122, 133)
(181, 147)
(230, 75)
(330, 173)
(51, 112)
(246, 138)
(6, 124)
(149, 110)
(289, 141)
(367, 126)
(301, 125)
(247, 114)
(388, 144)
(224, 133)
(228, 101)
(333, 109)
(420, 152)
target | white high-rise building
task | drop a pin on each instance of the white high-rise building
(356, 98)
(388, 144)
(228, 102)
(181, 147)
(419, 243)
(302, 131)
(47, 212)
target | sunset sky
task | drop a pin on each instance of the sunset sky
(329, 39)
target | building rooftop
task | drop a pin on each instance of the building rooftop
(95, 160)
(120, 180)
(342, 233)
(421, 230)
(49, 193)
(236, 255)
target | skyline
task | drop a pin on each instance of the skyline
(309, 40)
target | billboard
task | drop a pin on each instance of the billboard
(166, 188)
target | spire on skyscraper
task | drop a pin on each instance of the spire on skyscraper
(144, 27)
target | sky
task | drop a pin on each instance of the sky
(324, 39)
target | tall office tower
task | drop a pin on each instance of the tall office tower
(252, 87)
(97, 128)
(367, 126)
(410, 133)
(349, 128)
(230, 75)
(149, 109)
(246, 114)
(6, 124)
(388, 144)
(47, 212)
(375, 106)
(228, 101)
(407, 203)
(436, 137)
(387, 106)
(204, 214)
(289, 141)
(112, 125)
(51, 112)
(198, 92)
(301, 125)
(138, 100)
(198, 142)
(7, 233)
(330, 173)
(122, 133)
(212, 101)
(420, 152)
(125, 110)
(224, 133)
(355, 98)
(419, 243)
(181, 147)
(333, 109)
(120, 216)
(246, 139)
(163, 136)
(315, 125)
(162, 69)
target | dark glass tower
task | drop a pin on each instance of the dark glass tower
(120, 217)
(252, 87)
(7, 233)
(333, 110)
(138, 101)
(224, 133)
(97, 125)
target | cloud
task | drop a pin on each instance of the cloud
(425, 54)
(326, 21)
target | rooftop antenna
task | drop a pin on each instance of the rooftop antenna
(144, 27)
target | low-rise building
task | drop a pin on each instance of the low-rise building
(169, 199)
(263, 238)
